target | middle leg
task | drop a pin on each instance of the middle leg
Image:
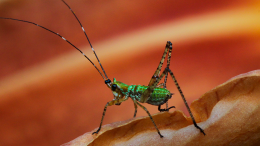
(135, 109)
(150, 117)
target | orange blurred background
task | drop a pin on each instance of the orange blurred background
(50, 94)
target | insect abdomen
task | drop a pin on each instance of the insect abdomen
(158, 97)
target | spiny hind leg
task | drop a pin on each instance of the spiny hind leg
(168, 62)
(158, 70)
(113, 102)
(167, 70)
(146, 95)
(161, 85)
(168, 48)
(184, 100)
(156, 79)
(165, 78)
(150, 117)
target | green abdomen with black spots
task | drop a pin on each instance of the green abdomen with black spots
(158, 97)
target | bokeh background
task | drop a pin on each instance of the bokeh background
(50, 94)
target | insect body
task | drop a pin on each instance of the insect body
(159, 95)
(151, 94)
(154, 94)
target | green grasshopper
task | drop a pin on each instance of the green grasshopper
(154, 94)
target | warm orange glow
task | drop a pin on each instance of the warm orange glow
(47, 88)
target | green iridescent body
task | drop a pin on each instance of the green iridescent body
(158, 97)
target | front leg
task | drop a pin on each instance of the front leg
(113, 102)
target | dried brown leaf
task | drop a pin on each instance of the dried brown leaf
(229, 114)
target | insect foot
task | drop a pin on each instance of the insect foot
(163, 110)
(96, 132)
(201, 130)
(160, 134)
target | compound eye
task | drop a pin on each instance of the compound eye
(107, 81)
(114, 87)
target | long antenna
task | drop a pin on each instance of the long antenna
(86, 36)
(67, 41)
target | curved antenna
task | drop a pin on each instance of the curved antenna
(60, 37)
(86, 36)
